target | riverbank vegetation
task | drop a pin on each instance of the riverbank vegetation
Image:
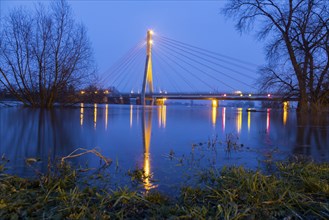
(295, 189)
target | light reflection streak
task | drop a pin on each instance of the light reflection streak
(162, 116)
(223, 118)
(285, 112)
(214, 116)
(268, 117)
(239, 120)
(81, 114)
(137, 115)
(106, 115)
(147, 129)
(95, 115)
(248, 121)
(285, 116)
(131, 116)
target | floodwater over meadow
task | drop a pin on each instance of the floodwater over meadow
(166, 142)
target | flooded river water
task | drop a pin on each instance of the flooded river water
(163, 141)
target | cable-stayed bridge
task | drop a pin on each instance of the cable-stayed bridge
(161, 68)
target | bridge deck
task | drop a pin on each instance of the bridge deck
(206, 96)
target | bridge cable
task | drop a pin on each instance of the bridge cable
(134, 69)
(115, 69)
(118, 71)
(186, 70)
(187, 82)
(124, 66)
(167, 60)
(208, 51)
(208, 60)
(117, 65)
(200, 70)
(128, 68)
(209, 67)
(169, 78)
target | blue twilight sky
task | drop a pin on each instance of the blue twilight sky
(116, 26)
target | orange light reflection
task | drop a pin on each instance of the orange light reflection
(248, 121)
(285, 116)
(239, 120)
(285, 112)
(214, 103)
(147, 130)
(162, 116)
(95, 115)
(214, 115)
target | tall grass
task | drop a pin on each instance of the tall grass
(295, 190)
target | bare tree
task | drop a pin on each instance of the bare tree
(298, 45)
(42, 53)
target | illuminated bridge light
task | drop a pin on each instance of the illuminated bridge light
(151, 32)
(82, 92)
(268, 95)
(249, 95)
(285, 105)
(106, 92)
(161, 101)
(241, 94)
(96, 92)
(214, 103)
(224, 95)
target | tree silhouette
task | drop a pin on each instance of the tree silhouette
(43, 52)
(297, 49)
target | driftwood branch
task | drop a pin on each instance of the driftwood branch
(81, 151)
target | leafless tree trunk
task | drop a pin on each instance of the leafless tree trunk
(42, 53)
(298, 47)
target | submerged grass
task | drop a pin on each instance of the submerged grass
(295, 190)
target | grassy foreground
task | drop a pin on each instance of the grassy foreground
(295, 190)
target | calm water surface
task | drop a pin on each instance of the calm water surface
(165, 141)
